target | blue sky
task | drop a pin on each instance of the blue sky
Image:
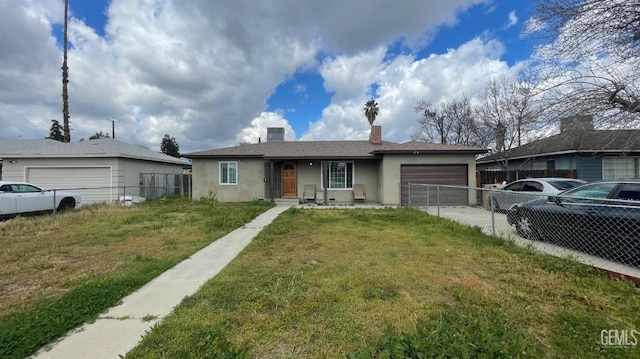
(216, 73)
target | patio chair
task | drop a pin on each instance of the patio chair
(309, 192)
(358, 192)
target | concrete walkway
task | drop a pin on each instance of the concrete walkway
(120, 329)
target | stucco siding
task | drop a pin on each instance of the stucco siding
(250, 182)
(391, 165)
(127, 175)
(364, 173)
(309, 172)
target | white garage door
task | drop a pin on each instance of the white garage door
(93, 183)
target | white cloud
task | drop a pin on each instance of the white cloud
(533, 25)
(405, 80)
(513, 19)
(349, 76)
(200, 70)
(258, 129)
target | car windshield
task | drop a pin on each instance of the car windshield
(565, 184)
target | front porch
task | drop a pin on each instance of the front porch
(294, 181)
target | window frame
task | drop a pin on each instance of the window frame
(220, 173)
(346, 175)
(609, 164)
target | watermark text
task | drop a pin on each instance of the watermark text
(619, 338)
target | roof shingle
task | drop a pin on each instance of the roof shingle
(104, 147)
(588, 141)
(328, 149)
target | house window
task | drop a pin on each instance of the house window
(538, 165)
(619, 167)
(551, 165)
(341, 175)
(228, 172)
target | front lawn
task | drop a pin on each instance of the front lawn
(58, 272)
(394, 283)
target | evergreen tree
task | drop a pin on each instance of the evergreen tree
(99, 135)
(55, 133)
(169, 146)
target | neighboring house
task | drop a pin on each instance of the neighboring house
(109, 167)
(594, 154)
(278, 169)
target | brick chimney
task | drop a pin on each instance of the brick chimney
(577, 123)
(375, 136)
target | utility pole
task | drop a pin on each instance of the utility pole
(113, 129)
(65, 79)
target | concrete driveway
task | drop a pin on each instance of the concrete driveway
(496, 224)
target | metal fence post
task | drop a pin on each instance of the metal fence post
(438, 199)
(428, 194)
(166, 185)
(409, 200)
(493, 213)
(181, 185)
(54, 202)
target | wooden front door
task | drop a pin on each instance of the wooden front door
(289, 180)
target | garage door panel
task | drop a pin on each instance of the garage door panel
(452, 175)
(93, 183)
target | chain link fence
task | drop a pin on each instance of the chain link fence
(587, 223)
(159, 185)
(23, 199)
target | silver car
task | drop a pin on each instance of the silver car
(531, 188)
(22, 198)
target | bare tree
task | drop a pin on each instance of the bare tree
(506, 106)
(433, 126)
(592, 62)
(586, 28)
(453, 122)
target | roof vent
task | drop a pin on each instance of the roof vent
(275, 134)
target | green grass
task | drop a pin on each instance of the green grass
(394, 283)
(59, 272)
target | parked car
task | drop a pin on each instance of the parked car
(531, 188)
(601, 218)
(21, 198)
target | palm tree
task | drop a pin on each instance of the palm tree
(371, 111)
(65, 79)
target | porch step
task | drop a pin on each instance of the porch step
(287, 201)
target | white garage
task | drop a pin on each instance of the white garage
(100, 170)
(93, 183)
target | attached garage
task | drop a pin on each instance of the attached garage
(98, 179)
(452, 175)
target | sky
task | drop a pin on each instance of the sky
(215, 73)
